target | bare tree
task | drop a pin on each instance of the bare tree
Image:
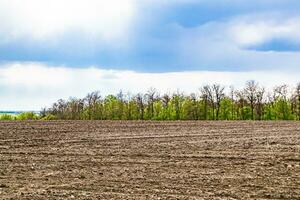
(128, 105)
(75, 108)
(259, 104)
(250, 92)
(151, 96)
(280, 92)
(270, 105)
(232, 92)
(140, 103)
(207, 95)
(241, 102)
(92, 99)
(281, 97)
(218, 96)
(204, 98)
(61, 108)
(298, 100)
(177, 102)
(193, 98)
(251, 102)
(121, 103)
(214, 94)
(166, 102)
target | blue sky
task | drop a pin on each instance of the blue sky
(157, 36)
(146, 37)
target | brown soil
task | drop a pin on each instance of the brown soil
(149, 160)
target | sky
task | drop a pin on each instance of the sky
(52, 49)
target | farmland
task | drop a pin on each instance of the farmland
(149, 160)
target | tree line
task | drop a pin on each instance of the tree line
(212, 102)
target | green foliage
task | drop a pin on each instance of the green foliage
(249, 103)
(6, 117)
(27, 116)
(49, 117)
(179, 107)
(226, 109)
(282, 110)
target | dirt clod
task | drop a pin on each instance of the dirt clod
(149, 160)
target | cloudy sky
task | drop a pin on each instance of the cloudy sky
(51, 49)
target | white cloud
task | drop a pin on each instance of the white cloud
(224, 44)
(44, 19)
(50, 19)
(248, 30)
(257, 29)
(30, 86)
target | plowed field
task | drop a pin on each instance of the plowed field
(149, 160)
